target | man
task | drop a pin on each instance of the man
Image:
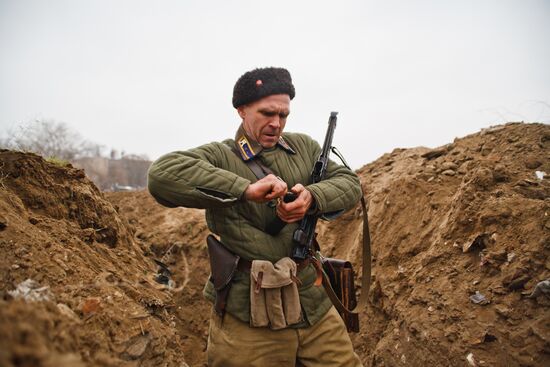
(216, 177)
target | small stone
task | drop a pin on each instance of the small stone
(479, 299)
(431, 309)
(66, 310)
(449, 172)
(471, 360)
(31, 291)
(463, 169)
(33, 220)
(90, 306)
(518, 283)
(138, 347)
(483, 178)
(434, 153)
(542, 288)
(449, 166)
(503, 311)
(532, 163)
(15, 266)
(540, 175)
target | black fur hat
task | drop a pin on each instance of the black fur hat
(258, 83)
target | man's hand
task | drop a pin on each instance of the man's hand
(295, 211)
(266, 189)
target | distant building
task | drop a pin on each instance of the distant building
(108, 174)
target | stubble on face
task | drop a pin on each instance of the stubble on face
(265, 119)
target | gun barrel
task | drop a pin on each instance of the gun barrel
(329, 135)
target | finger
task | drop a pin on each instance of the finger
(270, 177)
(281, 188)
(294, 205)
(287, 219)
(278, 189)
(298, 188)
(284, 214)
(291, 219)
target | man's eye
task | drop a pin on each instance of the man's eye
(283, 115)
(267, 113)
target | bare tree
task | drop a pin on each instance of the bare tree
(50, 139)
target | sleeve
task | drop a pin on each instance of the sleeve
(194, 179)
(338, 192)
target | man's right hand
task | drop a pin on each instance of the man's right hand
(266, 189)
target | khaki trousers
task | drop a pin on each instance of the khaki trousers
(232, 343)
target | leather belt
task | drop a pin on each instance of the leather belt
(245, 265)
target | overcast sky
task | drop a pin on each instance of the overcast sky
(155, 76)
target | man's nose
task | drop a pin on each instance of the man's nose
(275, 122)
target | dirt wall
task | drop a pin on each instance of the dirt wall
(461, 237)
(76, 289)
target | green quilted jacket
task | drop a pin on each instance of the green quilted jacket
(213, 177)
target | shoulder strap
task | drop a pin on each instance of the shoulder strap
(257, 167)
(366, 258)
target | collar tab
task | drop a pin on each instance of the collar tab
(282, 142)
(249, 148)
(244, 148)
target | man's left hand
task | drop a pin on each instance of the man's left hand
(296, 210)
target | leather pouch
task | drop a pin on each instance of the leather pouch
(341, 276)
(223, 264)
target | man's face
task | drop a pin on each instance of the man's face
(265, 119)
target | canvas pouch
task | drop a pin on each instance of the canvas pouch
(274, 298)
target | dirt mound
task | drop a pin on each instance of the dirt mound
(177, 237)
(471, 216)
(460, 240)
(65, 247)
(446, 222)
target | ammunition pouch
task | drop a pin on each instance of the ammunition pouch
(223, 264)
(274, 297)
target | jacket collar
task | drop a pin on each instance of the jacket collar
(249, 148)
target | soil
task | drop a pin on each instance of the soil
(471, 216)
(101, 306)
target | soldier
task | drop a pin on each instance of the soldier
(273, 314)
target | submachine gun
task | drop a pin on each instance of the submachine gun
(304, 236)
(337, 276)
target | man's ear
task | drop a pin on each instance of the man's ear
(241, 112)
